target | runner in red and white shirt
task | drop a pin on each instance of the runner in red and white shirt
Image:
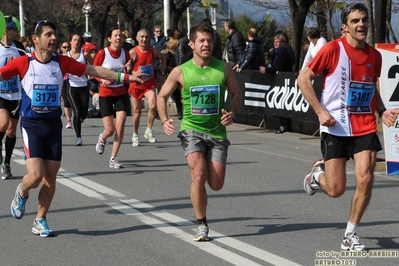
(114, 98)
(346, 112)
(42, 76)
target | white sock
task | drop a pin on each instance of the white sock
(148, 129)
(350, 228)
(317, 175)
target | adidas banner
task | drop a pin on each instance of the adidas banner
(275, 95)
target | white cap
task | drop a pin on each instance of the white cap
(87, 35)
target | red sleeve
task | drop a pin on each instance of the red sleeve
(326, 59)
(99, 59)
(18, 66)
(71, 66)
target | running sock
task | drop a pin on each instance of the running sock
(317, 175)
(148, 129)
(350, 228)
(10, 144)
(202, 221)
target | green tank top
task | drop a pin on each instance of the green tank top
(203, 98)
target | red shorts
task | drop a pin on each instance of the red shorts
(139, 93)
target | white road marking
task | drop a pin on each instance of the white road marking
(131, 207)
(171, 230)
(81, 189)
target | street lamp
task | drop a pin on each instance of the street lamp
(21, 17)
(86, 10)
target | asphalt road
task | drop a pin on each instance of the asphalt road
(142, 215)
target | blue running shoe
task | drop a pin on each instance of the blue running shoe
(18, 204)
(41, 228)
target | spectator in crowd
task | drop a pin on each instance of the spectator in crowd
(158, 41)
(128, 42)
(305, 48)
(177, 34)
(184, 52)
(280, 61)
(287, 45)
(171, 59)
(235, 44)
(253, 54)
(169, 34)
(315, 43)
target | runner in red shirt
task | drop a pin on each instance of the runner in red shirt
(42, 75)
(346, 112)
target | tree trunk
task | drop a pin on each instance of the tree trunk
(390, 31)
(380, 23)
(298, 15)
(321, 18)
(370, 33)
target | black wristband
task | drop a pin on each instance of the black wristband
(164, 121)
(381, 112)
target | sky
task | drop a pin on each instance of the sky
(241, 7)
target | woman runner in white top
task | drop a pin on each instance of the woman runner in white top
(78, 93)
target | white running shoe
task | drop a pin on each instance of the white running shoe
(41, 228)
(309, 183)
(149, 134)
(114, 163)
(351, 242)
(100, 146)
(135, 140)
(201, 233)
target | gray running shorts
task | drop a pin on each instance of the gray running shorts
(194, 141)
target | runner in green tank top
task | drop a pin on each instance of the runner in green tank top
(202, 81)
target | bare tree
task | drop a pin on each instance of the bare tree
(324, 10)
(380, 23)
(137, 11)
(299, 10)
(319, 9)
(177, 8)
(370, 34)
(389, 25)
